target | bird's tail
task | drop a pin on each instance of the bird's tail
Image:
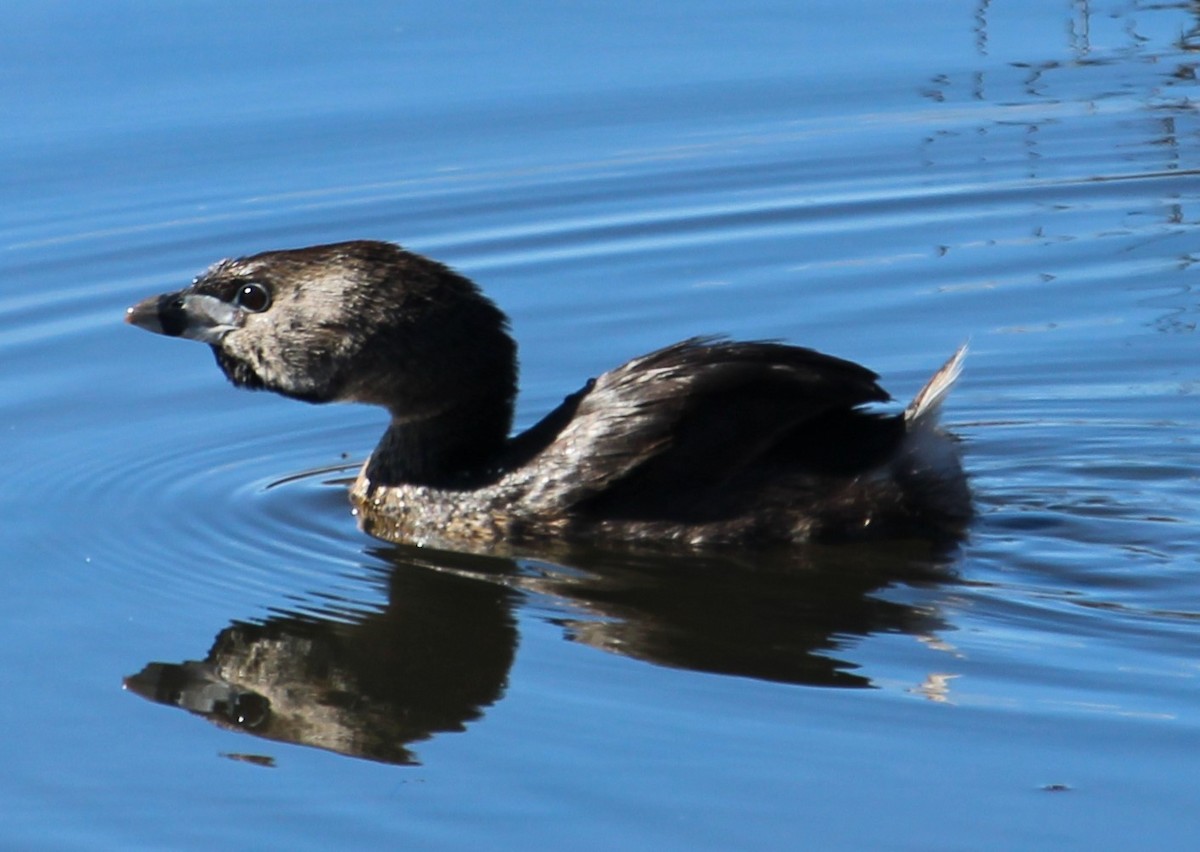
(925, 405)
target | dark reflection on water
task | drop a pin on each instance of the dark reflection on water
(783, 616)
(428, 662)
(440, 650)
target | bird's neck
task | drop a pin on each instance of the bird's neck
(454, 446)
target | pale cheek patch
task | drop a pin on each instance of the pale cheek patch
(208, 318)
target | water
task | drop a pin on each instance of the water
(881, 182)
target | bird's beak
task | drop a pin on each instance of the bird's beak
(192, 315)
(149, 314)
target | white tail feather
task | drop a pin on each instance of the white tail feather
(929, 399)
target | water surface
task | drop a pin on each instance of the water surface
(881, 182)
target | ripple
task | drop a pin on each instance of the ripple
(199, 490)
(172, 485)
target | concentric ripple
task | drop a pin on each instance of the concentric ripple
(178, 492)
(189, 490)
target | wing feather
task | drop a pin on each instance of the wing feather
(692, 416)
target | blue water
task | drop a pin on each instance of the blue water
(880, 181)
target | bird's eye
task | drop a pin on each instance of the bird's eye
(253, 297)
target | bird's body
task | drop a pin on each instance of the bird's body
(704, 442)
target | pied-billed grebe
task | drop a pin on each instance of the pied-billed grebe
(707, 441)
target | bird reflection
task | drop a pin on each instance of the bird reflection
(781, 617)
(427, 663)
(438, 653)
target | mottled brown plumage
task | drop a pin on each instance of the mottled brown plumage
(704, 442)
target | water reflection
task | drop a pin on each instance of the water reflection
(1104, 66)
(428, 662)
(439, 652)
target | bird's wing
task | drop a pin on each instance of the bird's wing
(692, 415)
